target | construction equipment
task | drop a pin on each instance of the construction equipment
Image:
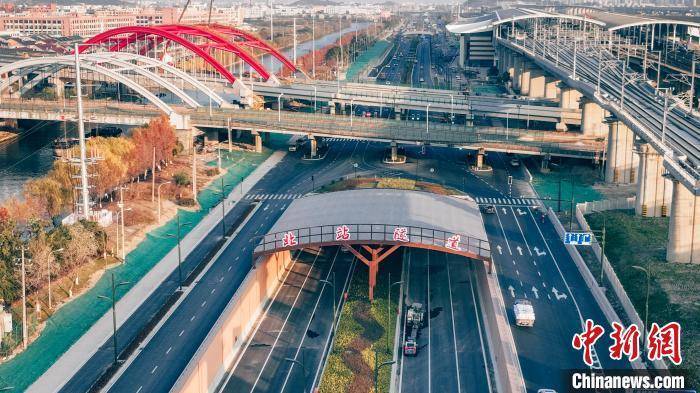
(414, 322)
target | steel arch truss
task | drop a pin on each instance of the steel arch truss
(67, 61)
(124, 64)
(201, 40)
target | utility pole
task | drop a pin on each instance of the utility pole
(24, 302)
(313, 46)
(294, 40)
(121, 212)
(194, 169)
(153, 176)
(85, 196)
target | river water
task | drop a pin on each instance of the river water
(31, 155)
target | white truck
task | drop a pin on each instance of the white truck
(524, 313)
(414, 321)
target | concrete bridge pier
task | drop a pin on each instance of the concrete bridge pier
(593, 119)
(551, 89)
(525, 75)
(537, 84)
(570, 99)
(313, 142)
(621, 162)
(518, 65)
(654, 191)
(510, 68)
(480, 158)
(257, 138)
(684, 226)
(397, 114)
(331, 107)
(394, 151)
(59, 86)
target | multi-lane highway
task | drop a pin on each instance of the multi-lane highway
(296, 325)
(453, 355)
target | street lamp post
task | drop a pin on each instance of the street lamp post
(427, 117)
(303, 369)
(223, 207)
(646, 304)
(315, 92)
(159, 207)
(114, 312)
(279, 107)
(352, 112)
(388, 306)
(48, 275)
(377, 367)
(332, 284)
(179, 251)
(354, 167)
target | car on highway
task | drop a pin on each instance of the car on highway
(524, 313)
(489, 209)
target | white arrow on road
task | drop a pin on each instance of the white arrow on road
(512, 291)
(266, 207)
(535, 291)
(520, 212)
(558, 295)
(520, 250)
(540, 253)
(499, 249)
(504, 210)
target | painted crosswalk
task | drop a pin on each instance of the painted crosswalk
(273, 196)
(338, 139)
(506, 201)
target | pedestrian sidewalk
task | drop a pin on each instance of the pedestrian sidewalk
(84, 348)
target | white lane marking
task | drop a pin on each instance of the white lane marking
(229, 269)
(193, 317)
(154, 369)
(139, 389)
(284, 324)
(478, 325)
(204, 303)
(566, 284)
(180, 335)
(522, 233)
(168, 351)
(504, 233)
(452, 315)
(313, 313)
(213, 290)
(535, 291)
(511, 290)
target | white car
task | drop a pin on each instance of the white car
(524, 313)
(514, 162)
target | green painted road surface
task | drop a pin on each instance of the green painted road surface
(72, 320)
(547, 186)
(361, 62)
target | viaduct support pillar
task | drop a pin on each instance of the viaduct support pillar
(537, 84)
(684, 226)
(570, 99)
(593, 119)
(314, 146)
(394, 151)
(653, 190)
(462, 50)
(510, 67)
(551, 89)
(621, 160)
(518, 64)
(480, 158)
(258, 141)
(525, 79)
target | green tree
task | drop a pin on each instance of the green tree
(10, 245)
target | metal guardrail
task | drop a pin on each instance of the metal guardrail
(372, 234)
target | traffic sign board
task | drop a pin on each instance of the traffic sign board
(578, 238)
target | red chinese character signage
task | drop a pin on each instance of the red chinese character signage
(342, 233)
(401, 234)
(452, 242)
(289, 239)
(586, 339)
(662, 342)
(665, 342)
(625, 342)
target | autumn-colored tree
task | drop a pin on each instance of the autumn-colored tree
(48, 194)
(112, 168)
(81, 247)
(158, 134)
(43, 259)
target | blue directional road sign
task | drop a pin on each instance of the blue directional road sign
(578, 238)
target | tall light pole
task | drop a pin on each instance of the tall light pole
(223, 207)
(452, 108)
(646, 304)
(313, 46)
(114, 312)
(159, 186)
(84, 189)
(279, 107)
(48, 276)
(315, 96)
(178, 236)
(303, 370)
(388, 306)
(427, 117)
(272, 29)
(376, 370)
